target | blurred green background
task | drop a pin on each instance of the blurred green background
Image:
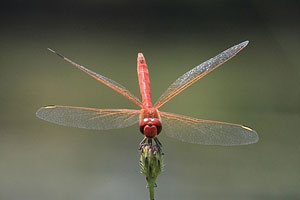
(258, 88)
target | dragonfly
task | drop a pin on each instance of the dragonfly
(152, 121)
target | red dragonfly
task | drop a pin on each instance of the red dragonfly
(151, 120)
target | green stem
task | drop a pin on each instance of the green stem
(151, 190)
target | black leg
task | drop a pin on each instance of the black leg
(159, 145)
(150, 141)
(157, 142)
(143, 143)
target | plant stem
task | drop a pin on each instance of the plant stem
(151, 191)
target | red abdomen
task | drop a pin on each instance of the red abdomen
(144, 81)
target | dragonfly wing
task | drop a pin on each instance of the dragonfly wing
(198, 72)
(89, 118)
(199, 131)
(106, 81)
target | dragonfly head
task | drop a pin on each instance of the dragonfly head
(150, 127)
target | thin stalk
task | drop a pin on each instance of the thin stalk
(151, 190)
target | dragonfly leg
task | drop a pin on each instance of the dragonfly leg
(158, 145)
(157, 142)
(150, 141)
(142, 143)
(146, 141)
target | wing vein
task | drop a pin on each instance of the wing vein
(106, 81)
(89, 118)
(208, 132)
(197, 73)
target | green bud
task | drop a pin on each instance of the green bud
(151, 163)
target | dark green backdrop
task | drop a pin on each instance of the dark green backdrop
(259, 88)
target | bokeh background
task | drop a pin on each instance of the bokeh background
(259, 88)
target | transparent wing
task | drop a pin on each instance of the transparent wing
(199, 131)
(106, 81)
(89, 118)
(198, 72)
